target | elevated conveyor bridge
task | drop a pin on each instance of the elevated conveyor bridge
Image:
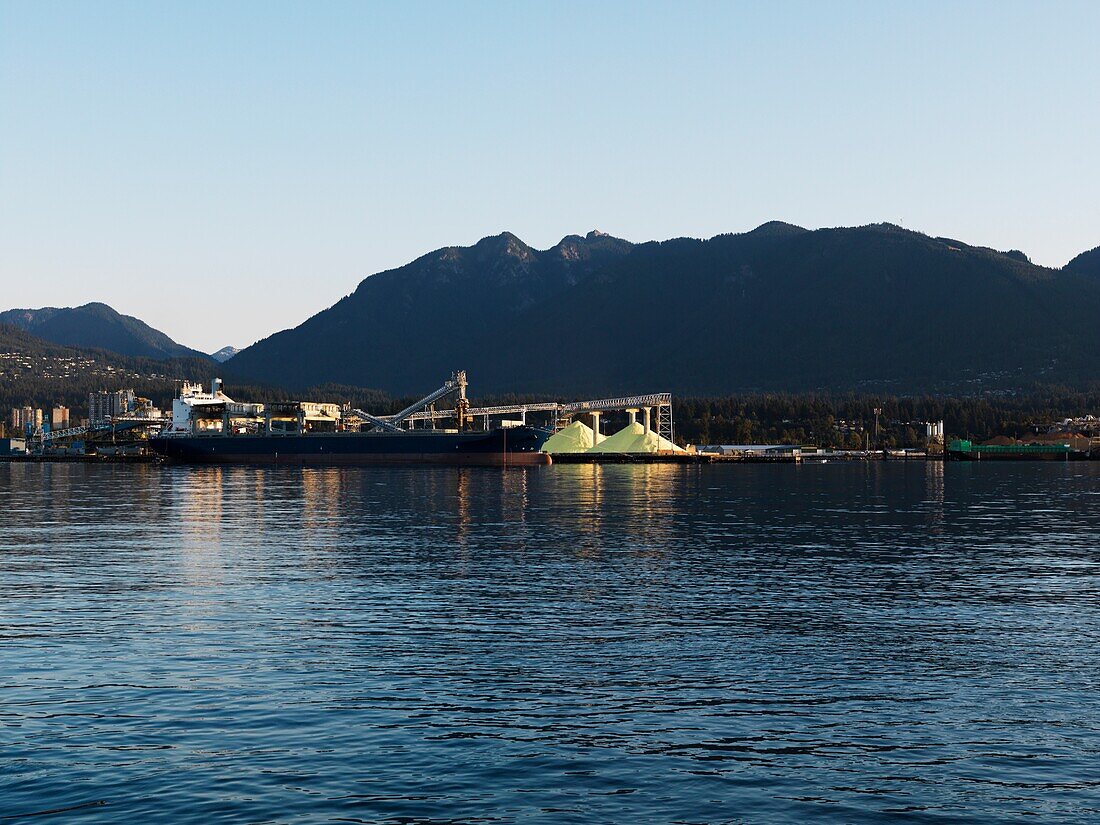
(116, 425)
(561, 413)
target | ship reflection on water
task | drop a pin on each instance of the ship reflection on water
(326, 503)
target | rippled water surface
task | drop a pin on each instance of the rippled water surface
(562, 644)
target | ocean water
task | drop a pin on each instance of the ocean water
(836, 643)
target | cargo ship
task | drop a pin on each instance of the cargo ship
(211, 428)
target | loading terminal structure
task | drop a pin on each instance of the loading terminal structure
(653, 434)
(649, 428)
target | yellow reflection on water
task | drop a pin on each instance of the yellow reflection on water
(934, 493)
(199, 493)
(632, 501)
(322, 496)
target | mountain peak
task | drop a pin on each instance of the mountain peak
(778, 228)
(593, 246)
(99, 306)
(504, 242)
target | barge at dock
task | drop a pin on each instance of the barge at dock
(211, 428)
(965, 450)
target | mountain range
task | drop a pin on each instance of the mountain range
(778, 308)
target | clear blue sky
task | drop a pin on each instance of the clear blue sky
(222, 170)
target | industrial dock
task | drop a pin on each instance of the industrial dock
(444, 428)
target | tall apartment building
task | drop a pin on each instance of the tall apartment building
(59, 418)
(24, 419)
(103, 405)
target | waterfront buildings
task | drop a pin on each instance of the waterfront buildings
(24, 419)
(101, 405)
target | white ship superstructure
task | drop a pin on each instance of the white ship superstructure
(193, 399)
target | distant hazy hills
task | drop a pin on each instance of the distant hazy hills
(98, 326)
(780, 307)
(224, 354)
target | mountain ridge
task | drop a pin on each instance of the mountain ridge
(98, 326)
(777, 307)
(490, 280)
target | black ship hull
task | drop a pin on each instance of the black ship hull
(515, 446)
(1008, 455)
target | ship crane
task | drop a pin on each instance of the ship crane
(390, 423)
